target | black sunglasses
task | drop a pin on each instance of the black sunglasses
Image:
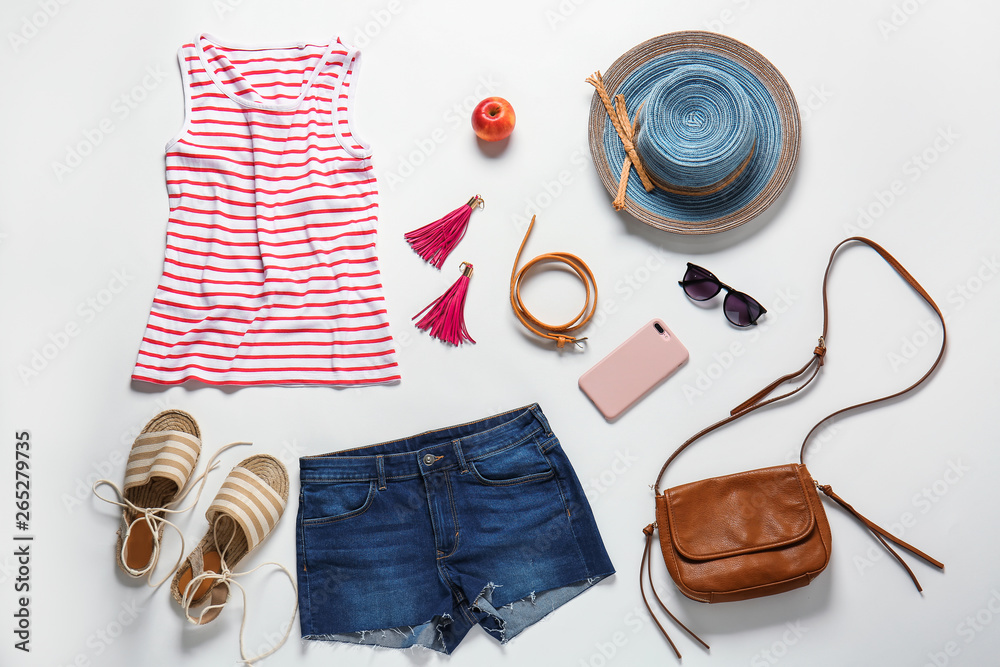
(701, 285)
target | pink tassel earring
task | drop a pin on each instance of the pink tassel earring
(435, 241)
(445, 318)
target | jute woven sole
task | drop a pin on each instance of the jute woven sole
(157, 492)
(227, 537)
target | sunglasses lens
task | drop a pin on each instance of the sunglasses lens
(741, 310)
(701, 285)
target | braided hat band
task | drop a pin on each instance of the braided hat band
(708, 124)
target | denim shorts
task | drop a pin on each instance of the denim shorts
(414, 541)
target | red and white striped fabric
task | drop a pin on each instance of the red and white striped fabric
(270, 274)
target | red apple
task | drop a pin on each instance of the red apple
(493, 119)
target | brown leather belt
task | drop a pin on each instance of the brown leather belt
(558, 333)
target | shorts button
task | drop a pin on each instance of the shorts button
(428, 459)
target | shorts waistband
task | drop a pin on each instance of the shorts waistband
(436, 450)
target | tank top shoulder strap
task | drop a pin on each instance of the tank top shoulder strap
(195, 82)
(341, 79)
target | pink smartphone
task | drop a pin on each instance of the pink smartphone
(633, 369)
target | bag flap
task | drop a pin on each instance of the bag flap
(742, 513)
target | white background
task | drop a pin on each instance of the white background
(881, 85)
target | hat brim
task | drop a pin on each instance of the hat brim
(775, 153)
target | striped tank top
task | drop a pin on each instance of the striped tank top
(270, 274)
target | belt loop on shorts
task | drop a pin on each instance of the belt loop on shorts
(457, 444)
(537, 411)
(380, 464)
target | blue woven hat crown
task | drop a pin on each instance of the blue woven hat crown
(696, 128)
(717, 132)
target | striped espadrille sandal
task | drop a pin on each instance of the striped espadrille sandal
(242, 515)
(157, 478)
(161, 462)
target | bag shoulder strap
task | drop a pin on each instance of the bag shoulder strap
(815, 362)
(901, 270)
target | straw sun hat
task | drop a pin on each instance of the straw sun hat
(709, 128)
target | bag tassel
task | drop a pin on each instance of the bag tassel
(881, 534)
(445, 318)
(435, 241)
(647, 564)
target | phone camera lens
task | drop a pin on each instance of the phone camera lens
(659, 329)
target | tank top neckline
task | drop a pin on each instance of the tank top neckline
(223, 59)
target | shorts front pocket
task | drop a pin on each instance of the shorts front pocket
(519, 464)
(327, 502)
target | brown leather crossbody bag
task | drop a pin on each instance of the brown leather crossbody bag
(760, 532)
